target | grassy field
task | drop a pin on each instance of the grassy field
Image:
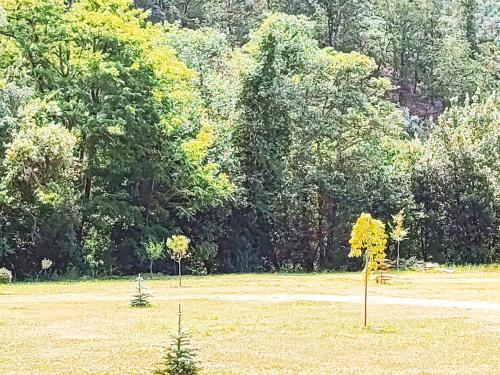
(87, 327)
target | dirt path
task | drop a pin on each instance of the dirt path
(377, 300)
(271, 298)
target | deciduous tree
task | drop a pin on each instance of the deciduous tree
(368, 239)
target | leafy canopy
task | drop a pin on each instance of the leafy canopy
(368, 238)
(178, 245)
(398, 232)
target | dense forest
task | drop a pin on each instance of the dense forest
(258, 129)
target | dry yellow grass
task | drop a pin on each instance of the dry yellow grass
(87, 327)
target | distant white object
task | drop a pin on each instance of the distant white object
(445, 270)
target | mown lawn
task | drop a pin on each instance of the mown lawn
(87, 327)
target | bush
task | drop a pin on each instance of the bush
(5, 276)
(288, 266)
(411, 264)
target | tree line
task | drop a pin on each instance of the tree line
(259, 130)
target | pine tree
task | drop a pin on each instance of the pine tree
(140, 299)
(180, 356)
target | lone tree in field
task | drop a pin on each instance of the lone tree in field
(154, 251)
(180, 356)
(368, 238)
(140, 298)
(398, 232)
(178, 246)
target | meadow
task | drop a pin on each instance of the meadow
(257, 324)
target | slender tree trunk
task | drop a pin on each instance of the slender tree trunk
(81, 158)
(330, 29)
(86, 194)
(148, 202)
(366, 288)
(179, 327)
(424, 244)
(180, 273)
(321, 217)
(208, 266)
(151, 269)
(415, 74)
(321, 234)
(87, 190)
(397, 258)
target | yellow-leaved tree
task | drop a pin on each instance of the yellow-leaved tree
(178, 247)
(368, 239)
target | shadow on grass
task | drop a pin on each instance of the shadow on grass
(379, 329)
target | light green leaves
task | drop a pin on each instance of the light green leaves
(178, 246)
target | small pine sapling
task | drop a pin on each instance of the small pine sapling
(140, 298)
(180, 356)
(178, 246)
(368, 238)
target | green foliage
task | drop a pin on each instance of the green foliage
(457, 74)
(94, 264)
(178, 246)
(153, 251)
(38, 163)
(206, 252)
(412, 264)
(5, 276)
(236, 126)
(139, 143)
(96, 249)
(13, 98)
(3, 18)
(319, 113)
(457, 184)
(278, 50)
(417, 41)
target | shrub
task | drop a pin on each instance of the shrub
(5, 276)
(412, 264)
(288, 266)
